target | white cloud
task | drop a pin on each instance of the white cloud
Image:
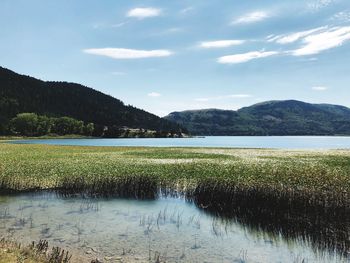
(251, 17)
(221, 43)
(319, 88)
(154, 94)
(144, 12)
(315, 5)
(331, 38)
(343, 17)
(245, 57)
(291, 38)
(232, 96)
(124, 53)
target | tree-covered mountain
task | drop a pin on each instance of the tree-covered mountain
(19, 94)
(288, 117)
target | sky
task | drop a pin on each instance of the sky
(174, 55)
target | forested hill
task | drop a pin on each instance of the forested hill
(19, 93)
(289, 117)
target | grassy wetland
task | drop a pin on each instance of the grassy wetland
(321, 176)
(297, 194)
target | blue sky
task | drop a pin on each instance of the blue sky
(165, 56)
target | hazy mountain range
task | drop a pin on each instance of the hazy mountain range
(288, 117)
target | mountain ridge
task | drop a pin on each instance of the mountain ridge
(21, 93)
(275, 117)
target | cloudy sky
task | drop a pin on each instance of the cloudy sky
(173, 55)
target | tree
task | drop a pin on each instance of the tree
(89, 129)
(78, 127)
(3, 125)
(44, 125)
(30, 124)
(64, 125)
(25, 124)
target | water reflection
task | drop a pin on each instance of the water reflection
(325, 229)
(170, 229)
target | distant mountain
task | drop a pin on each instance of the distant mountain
(288, 117)
(19, 93)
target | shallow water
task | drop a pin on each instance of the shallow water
(285, 142)
(124, 229)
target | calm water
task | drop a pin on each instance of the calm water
(124, 229)
(286, 142)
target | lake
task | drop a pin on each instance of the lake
(283, 142)
(164, 229)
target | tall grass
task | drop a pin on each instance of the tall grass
(322, 177)
(296, 193)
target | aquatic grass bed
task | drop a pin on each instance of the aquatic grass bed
(321, 176)
(265, 189)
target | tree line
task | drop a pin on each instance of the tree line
(34, 125)
(31, 124)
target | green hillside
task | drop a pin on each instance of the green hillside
(289, 117)
(19, 94)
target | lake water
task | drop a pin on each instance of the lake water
(170, 229)
(284, 142)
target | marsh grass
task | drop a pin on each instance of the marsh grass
(297, 193)
(34, 253)
(321, 177)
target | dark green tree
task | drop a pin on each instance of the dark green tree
(64, 125)
(89, 129)
(25, 124)
(44, 125)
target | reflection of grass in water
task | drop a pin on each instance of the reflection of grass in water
(3, 199)
(163, 217)
(5, 212)
(325, 230)
(309, 188)
(88, 205)
(171, 216)
(78, 230)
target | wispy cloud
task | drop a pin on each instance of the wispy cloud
(315, 5)
(119, 24)
(232, 96)
(251, 17)
(245, 57)
(293, 37)
(169, 31)
(186, 10)
(342, 17)
(154, 94)
(124, 53)
(315, 40)
(108, 25)
(220, 43)
(319, 88)
(144, 12)
(330, 38)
